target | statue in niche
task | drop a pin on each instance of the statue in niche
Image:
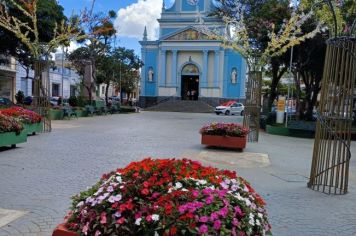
(150, 75)
(234, 76)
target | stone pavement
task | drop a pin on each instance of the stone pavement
(39, 177)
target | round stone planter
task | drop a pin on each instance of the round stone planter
(11, 138)
(61, 230)
(223, 141)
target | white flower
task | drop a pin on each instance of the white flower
(251, 222)
(155, 217)
(113, 199)
(119, 179)
(260, 215)
(156, 234)
(258, 222)
(248, 202)
(202, 181)
(138, 221)
(178, 185)
(185, 190)
(80, 204)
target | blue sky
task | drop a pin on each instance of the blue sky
(133, 15)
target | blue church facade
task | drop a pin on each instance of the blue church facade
(184, 63)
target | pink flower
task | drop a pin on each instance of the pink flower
(195, 193)
(203, 229)
(235, 222)
(97, 233)
(223, 212)
(217, 225)
(85, 228)
(204, 219)
(103, 218)
(149, 218)
(214, 216)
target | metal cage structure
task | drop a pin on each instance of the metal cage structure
(331, 156)
(41, 95)
(253, 105)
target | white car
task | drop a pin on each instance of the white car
(230, 108)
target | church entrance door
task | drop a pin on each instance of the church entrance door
(190, 82)
(190, 87)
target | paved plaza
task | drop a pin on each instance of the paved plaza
(38, 178)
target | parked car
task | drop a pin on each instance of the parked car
(28, 100)
(6, 102)
(115, 99)
(54, 101)
(230, 108)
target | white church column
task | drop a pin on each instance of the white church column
(204, 79)
(174, 67)
(163, 80)
(216, 68)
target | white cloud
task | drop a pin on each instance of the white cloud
(132, 20)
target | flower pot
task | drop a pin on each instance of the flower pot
(223, 141)
(11, 138)
(32, 129)
(61, 230)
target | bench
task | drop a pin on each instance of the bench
(68, 112)
(114, 109)
(100, 107)
(89, 110)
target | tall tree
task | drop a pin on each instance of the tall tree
(100, 30)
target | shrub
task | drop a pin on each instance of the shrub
(169, 197)
(20, 96)
(224, 129)
(73, 101)
(9, 124)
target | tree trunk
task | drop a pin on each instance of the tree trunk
(297, 95)
(277, 74)
(107, 93)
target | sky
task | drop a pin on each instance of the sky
(133, 16)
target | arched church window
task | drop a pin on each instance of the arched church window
(190, 69)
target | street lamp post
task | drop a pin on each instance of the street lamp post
(290, 76)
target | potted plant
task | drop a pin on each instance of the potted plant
(167, 197)
(31, 120)
(229, 135)
(10, 131)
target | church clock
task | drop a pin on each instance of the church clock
(192, 2)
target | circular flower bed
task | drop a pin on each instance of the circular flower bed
(169, 197)
(9, 124)
(24, 115)
(224, 129)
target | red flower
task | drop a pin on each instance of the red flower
(173, 231)
(145, 191)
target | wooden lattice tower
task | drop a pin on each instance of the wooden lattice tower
(253, 105)
(41, 98)
(330, 165)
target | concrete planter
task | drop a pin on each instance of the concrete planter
(81, 113)
(32, 129)
(278, 130)
(11, 139)
(61, 230)
(56, 114)
(223, 141)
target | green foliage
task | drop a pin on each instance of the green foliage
(20, 96)
(73, 101)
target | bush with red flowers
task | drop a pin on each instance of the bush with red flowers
(224, 129)
(9, 124)
(24, 115)
(169, 197)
